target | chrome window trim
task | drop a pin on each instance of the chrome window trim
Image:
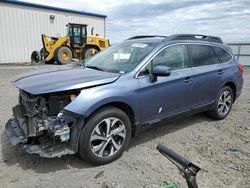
(187, 43)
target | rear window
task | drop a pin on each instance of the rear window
(214, 57)
(223, 54)
(200, 55)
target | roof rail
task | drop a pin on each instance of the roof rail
(145, 36)
(196, 37)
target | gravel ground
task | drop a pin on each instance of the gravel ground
(220, 148)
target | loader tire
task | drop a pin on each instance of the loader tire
(63, 55)
(89, 52)
(43, 53)
(35, 57)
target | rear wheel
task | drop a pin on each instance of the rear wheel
(89, 52)
(105, 136)
(63, 55)
(223, 104)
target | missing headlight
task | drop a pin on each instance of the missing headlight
(57, 103)
(59, 127)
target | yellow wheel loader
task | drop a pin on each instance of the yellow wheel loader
(77, 44)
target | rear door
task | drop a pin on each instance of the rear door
(207, 74)
(168, 95)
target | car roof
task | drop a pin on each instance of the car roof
(179, 38)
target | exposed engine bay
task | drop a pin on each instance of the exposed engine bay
(40, 124)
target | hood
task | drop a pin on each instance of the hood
(62, 79)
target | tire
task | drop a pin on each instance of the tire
(63, 55)
(98, 147)
(223, 104)
(43, 53)
(89, 52)
(35, 57)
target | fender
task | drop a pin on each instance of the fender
(91, 99)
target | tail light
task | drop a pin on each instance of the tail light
(241, 68)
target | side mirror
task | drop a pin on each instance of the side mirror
(159, 70)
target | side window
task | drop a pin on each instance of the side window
(175, 57)
(214, 57)
(200, 55)
(77, 31)
(223, 54)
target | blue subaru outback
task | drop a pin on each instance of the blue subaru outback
(94, 109)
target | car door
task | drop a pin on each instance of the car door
(168, 95)
(207, 74)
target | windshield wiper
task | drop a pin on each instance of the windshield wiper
(94, 67)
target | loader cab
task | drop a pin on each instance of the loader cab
(77, 34)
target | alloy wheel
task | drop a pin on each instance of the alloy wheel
(225, 102)
(107, 137)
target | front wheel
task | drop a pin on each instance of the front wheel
(63, 55)
(223, 104)
(105, 136)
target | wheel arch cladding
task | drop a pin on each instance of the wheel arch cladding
(233, 87)
(125, 108)
(120, 105)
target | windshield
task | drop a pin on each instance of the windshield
(120, 58)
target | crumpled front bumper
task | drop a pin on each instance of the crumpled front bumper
(14, 132)
(17, 137)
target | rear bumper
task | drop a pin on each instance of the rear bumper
(17, 137)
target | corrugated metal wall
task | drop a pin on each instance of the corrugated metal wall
(241, 52)
(21, 28)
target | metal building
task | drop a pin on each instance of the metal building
(241, 52)
(22, 24)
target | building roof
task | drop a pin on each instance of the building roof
(15, 2)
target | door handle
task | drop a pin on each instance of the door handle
(187, 80)
(220, 72)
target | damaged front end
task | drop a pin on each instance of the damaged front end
(42, 126)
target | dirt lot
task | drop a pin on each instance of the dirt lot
(221, 148)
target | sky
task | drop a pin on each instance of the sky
(229, 19)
